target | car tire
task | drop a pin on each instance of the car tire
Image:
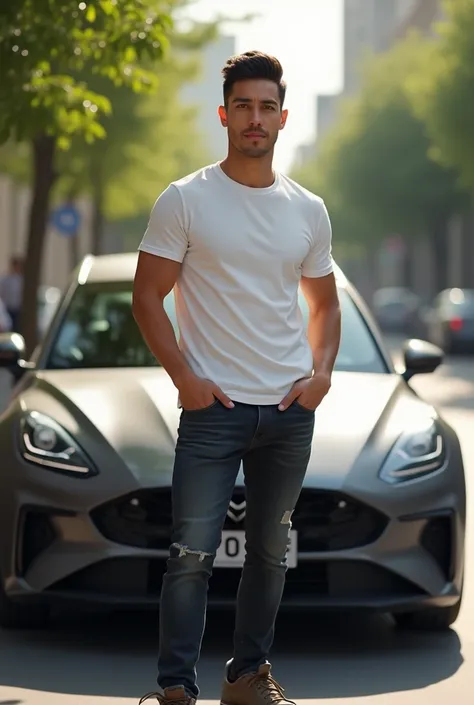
(21, 615)
(433, 619)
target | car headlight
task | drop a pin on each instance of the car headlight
(44, 442)
(416, 453)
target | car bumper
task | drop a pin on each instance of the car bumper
(104, 587)
(66, 541)
(400, 570)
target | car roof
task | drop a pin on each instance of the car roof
(121, 267)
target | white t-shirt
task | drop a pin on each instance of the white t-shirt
(243, 251)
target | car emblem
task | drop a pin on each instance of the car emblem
(236, 511)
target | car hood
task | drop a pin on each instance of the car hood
(137, 413)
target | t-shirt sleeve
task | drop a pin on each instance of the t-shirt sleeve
(166, 234)
(318, 262)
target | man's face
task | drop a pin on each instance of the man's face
(253, 117)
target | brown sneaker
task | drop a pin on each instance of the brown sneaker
(254, 689)
(171, 696)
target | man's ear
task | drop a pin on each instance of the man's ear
(223, 115)
(284, 118)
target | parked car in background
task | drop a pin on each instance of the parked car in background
(87, 446)
(449, 321)
(396, 310)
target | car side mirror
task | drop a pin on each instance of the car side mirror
(12, 355)
(12, 349)
(420, 357)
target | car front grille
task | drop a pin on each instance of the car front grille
(324, 520)
(140, 579)
(36, 535)
(437, 538)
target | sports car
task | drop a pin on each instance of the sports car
(87, 447)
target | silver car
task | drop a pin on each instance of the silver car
(87, 447)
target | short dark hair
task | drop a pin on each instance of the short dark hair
(253, 65)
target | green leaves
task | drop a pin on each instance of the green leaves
(443, 93)
(377, 166)
(151, 138)
(46, 44)
(91, 13)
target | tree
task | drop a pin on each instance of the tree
(442, 91)
(321, 176)
(45, 48)
(150, 140)
(377, 159)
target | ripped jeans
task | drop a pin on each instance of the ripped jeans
(275, 448)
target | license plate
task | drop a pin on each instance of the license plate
(231, 552)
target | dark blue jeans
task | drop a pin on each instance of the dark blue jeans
(275, 448)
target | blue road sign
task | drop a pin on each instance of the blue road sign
(66, 219)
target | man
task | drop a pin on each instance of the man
(235, 240)
(11, 291)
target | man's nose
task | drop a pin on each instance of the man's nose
(256, 118)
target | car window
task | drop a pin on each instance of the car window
(98, 330)
(455, 302)
(461, 309)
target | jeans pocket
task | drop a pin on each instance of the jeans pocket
(303, 408)
(204, 408)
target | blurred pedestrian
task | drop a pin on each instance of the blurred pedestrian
(5, 319)
(235, 240)
(11, 291)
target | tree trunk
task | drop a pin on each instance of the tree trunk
(97, 212)
(43, 149)
(407, 264)
(439, 244)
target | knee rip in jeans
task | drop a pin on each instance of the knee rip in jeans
(286, 518)
(186, 551)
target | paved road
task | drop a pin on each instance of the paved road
(327, 660)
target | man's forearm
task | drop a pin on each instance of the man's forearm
(324, 335)
(158, 333)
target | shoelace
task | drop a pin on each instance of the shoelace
(163, 699)
(269, 688)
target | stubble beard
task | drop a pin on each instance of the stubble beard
(254, 152)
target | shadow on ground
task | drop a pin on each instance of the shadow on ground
(314, 656)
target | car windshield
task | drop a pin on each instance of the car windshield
(98, 330)
(459, 302)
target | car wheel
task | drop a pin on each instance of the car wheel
(434, 619)
(21, 615)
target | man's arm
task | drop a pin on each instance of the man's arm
(162, 250)
(154, 280)
(324, 323)
(318, 285)
(324, 335)
(319, 288)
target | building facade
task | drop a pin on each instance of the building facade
(372, 27)
(206, 95)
